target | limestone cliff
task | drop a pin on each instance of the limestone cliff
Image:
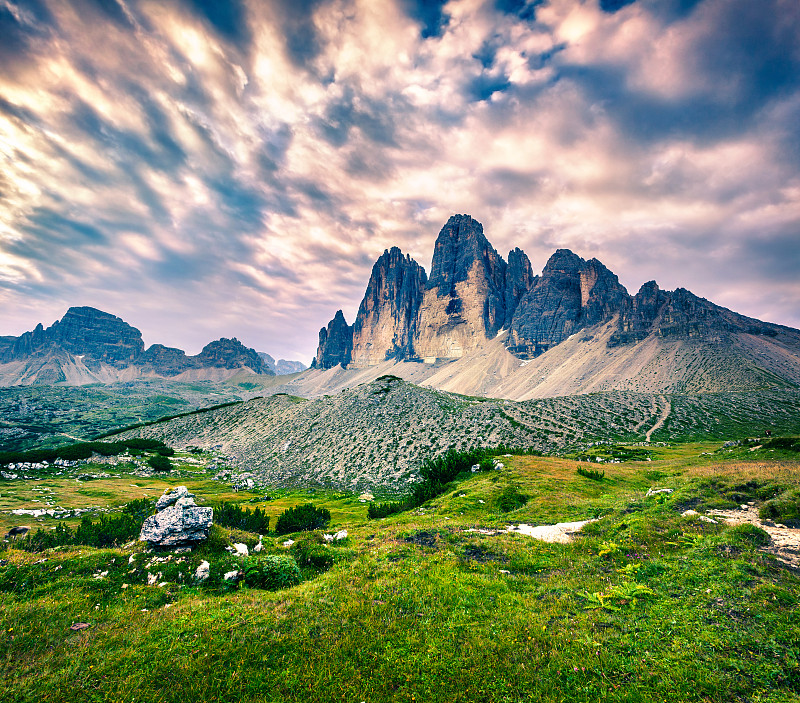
(464, 299)
(386, 319)
(570, 294)
(335, 344)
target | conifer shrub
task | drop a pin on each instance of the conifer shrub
(302, 518)
(232, 515)
(271, 572)
(107, 531)
(311, 551)
(510, 498)
(159, 463)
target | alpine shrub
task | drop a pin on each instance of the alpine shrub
(302, 518)
(271, 572)
(311, 551)
(231, 515)
(159, 463)
(509, 499)
(593, 474)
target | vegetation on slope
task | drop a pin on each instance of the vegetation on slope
(646, 605)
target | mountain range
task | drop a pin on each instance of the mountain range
(482, 324)
(88, 346)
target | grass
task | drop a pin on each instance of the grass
(645, 606)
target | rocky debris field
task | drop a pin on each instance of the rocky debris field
(378, 434)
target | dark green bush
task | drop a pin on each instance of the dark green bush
(379, 510)
(302, 518)
(312, 551)
(231, 515)
(108, 531)
(271, 572)
(82, 450)
(593, 474)
(510, 498)
(749, 534)
(159, 463)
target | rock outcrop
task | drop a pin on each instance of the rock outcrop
(464, 300)
(179, 522)
(335, 344)
(98, 336)
(386, 319)
(571, 294)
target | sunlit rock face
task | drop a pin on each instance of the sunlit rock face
(464, 299)
(571, 294)
(386, 319)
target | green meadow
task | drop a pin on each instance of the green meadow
(644, 605)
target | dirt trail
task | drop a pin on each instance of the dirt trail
(785, 544)
(661, 420)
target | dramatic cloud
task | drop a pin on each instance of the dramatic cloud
(202, 168)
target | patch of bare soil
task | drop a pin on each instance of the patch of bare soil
(785, 541)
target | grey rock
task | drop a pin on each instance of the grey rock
(172, 496)
(386, 320)
(180, 524)
(570, 294)
(335, 343)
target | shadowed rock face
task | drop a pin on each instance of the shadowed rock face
(100, 336)
(570, 294)
(464, 300)
(335, 344)
(386, 319)
(519, 280)
(681, 314)
(98, 339)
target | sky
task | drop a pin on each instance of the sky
(205, 169)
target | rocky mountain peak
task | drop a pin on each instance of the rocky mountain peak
(84, 331)
(570, 294)
(386, 319)
(232, 354)
(335, 344)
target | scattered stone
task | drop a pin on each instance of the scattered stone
(259, 546)
(657, 491)
(231, 576)
(203, 571)
(288, 543)
(79, 626)
(241, 549)
(689, 513)
(340, 535)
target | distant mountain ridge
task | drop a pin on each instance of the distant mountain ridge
(88, 345)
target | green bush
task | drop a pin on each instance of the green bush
(509, 499)
(311, 551)
(302, 518)
(785, 509)
(231, 515)
(749, 534)
(159, 463)
(271, 572)
(593, 474)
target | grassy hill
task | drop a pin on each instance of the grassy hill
(644, 605)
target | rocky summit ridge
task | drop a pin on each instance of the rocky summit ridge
(473, 294)
(89, 345)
